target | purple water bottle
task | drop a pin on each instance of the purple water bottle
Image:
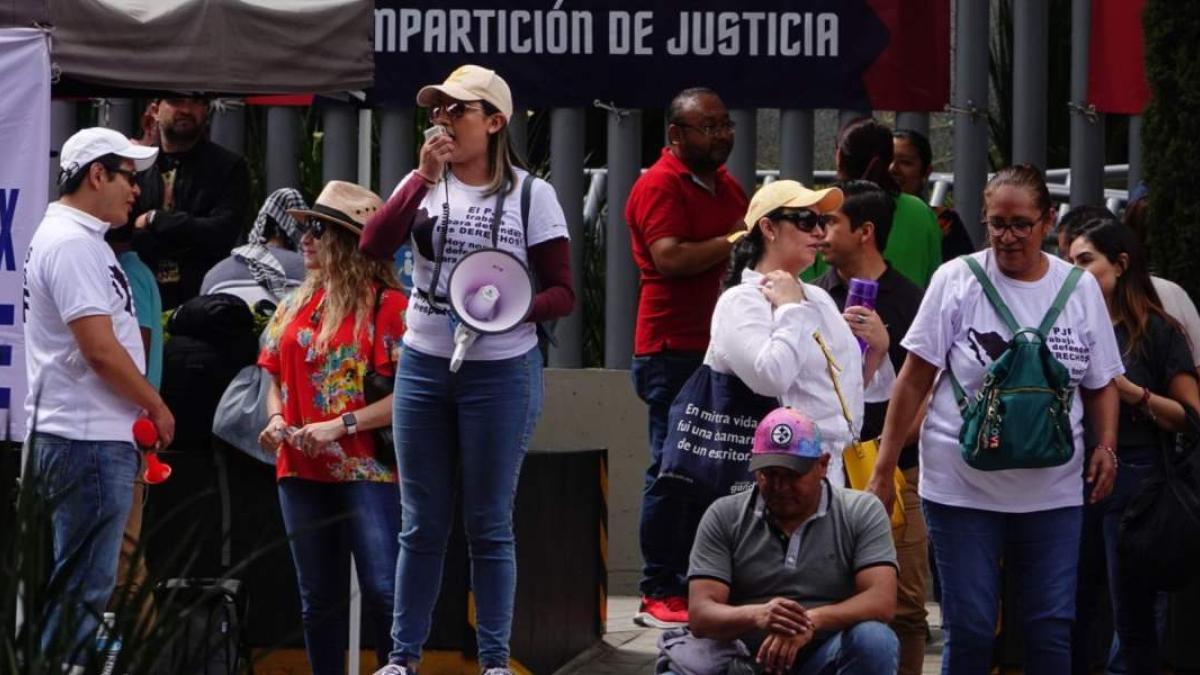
(862, 294)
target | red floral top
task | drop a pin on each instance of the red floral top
(319, 386)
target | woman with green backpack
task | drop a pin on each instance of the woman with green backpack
(1014, 345)
(1159, 380)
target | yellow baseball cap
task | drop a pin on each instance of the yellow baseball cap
(471, 83)
(788, 194)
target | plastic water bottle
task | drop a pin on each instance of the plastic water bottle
(108, 643)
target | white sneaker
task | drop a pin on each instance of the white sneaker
(497, 671)
(395, 669)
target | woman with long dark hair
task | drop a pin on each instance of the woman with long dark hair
(914, 247)
(1159, 380)
(474, 425)
(912, 162)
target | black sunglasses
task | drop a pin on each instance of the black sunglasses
(129, 174)
(316, 227)
(454, 111)
(805, 221)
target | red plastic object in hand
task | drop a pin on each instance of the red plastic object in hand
(145, 434)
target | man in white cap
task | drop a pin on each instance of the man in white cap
(85, 364)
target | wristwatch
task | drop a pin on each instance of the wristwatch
(351, 423)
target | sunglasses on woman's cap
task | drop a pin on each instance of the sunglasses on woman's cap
(804, 220)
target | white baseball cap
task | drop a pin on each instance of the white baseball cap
(471, 83)
(88, 145)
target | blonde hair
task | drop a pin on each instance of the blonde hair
(349, 279)
(502, 156)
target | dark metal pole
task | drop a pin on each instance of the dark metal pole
(1135, 151)
(567, 136)
(620, 273)
(1087, 125)
(913, 121)
(228, 127)
(1031, 19)
(339, 143)
(283, 148)
(970, 104)
(397, 147)
(796, 145)
(742, 162)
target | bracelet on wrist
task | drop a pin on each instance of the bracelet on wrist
(1109, 449)
(426, 179)
(273, 416)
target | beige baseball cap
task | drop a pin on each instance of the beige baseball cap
(788, 194)
(471, 83)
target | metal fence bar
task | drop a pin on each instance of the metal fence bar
(1087, 125)
(913, 121)
(1135, 152)
(620, 274)
(62, 125)
(397, 147)
(283, 148)
(568, 128)
(970, 105)
(228, 126)
(1031, 20)
(742, 161)
(796, 144)
(518, 128)
(338, 145)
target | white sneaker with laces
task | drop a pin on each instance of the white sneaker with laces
(497, 671)
(395, 669)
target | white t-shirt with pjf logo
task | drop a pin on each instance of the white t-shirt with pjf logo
(956, 318)
(428, 330)
(71, 273)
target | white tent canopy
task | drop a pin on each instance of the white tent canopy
(220, 46)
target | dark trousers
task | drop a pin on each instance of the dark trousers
(668, 523)
(325, 523)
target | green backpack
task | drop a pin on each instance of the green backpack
(1021, 416)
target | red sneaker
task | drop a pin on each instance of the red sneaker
(671, 612)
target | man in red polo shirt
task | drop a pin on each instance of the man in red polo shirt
(680, 214)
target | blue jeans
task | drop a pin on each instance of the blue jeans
(668, 523)
(325, 523)
(1042, 548)
(90, 485)
(1133, 604)
(867, 648)
(477, 421)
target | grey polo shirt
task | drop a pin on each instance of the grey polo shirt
(737, 544)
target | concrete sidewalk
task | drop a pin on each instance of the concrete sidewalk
(629, 649)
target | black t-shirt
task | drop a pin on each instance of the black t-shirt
(897, 304)
(1163, 354)
(955, 239)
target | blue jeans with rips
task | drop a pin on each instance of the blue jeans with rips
(325, 523)
(478, 420)
(1043, 549)
(89, 485)
(668, 523)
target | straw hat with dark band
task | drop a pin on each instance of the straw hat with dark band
(342, 203)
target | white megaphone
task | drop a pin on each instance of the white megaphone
(490, 292)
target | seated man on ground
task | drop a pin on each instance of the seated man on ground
(802, 573)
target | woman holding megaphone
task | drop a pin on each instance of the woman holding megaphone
(466, 195)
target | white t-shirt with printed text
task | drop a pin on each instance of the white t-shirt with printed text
(956, 318)
(71, 273)
(429, 331)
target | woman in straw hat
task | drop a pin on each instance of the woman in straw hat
(337, 487)
(466, 195)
